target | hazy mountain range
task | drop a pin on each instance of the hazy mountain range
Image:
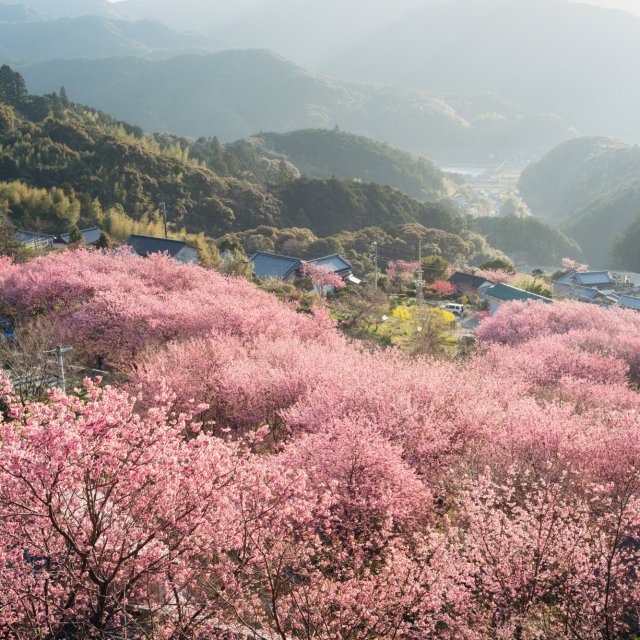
(574, 60)
(234, 94)
(30, 40)
(569, 64)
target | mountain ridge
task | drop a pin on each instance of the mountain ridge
(202, 95)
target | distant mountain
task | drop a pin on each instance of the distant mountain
(237, 93)
(311, 32)
(575, 60)
(72, 8)
(322, 153)
(16, 13)
(94, 37)
(590, 187)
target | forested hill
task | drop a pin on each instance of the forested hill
(324, 153)
(590, 187)
(47, 142)
(207, 95)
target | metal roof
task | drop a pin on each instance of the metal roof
(587, 278)
(335, 262)
(146, 245)
(272, 265)
(508, 294)
(467, 279)
(32, 237)
(630, 302)
(90, 235)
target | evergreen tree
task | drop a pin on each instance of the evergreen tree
(64, 97)
(13, 89)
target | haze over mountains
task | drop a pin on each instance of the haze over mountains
(233, 94)
(577, 61)
(31, 40)
(570, 64)
(479, 83)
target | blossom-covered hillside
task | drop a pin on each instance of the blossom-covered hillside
(255, 473)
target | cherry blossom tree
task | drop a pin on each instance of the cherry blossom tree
(401, 273)
(256, 473)
(442, 287)
(324, 279)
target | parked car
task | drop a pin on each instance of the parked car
(456, 309)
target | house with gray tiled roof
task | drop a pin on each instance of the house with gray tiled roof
(594, 279)
(147, 245)
(336, 263)
(628, 302)
(469, 285)
(32, 238)
(591, 295)
(271, 265)
(89, 236)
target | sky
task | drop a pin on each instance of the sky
(632, 6)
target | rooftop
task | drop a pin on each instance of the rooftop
(335, 262)
(90, 235)
(467, 279)
(33, 237)
(588, 278)
(272, 265)
(509, 294)
(630, 302)
(146, 245)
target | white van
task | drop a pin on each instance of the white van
(456, 309)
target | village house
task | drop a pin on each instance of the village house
(90, 236)
(146, 245)
(601, 280)
(38, 240)
(469, 285)
(500, 293)
(628, 302)
(591, 295)
(271, 265)
(287, 268)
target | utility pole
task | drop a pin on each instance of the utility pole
(374, 248)
(163, 208)
(420, 283)
(60, 352)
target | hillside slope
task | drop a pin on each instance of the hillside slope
(234, 94)
(323, 153)
(47, 144)
(590, 187)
